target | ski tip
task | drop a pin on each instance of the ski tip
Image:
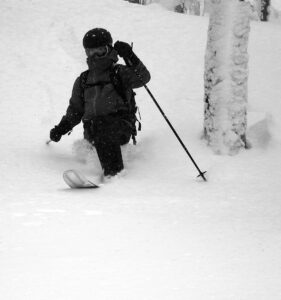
(76, 180)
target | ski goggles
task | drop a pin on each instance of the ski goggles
(97, 52)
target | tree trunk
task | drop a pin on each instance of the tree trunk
(194, 8)
(265, 4)
(226, 75)
(202, 7)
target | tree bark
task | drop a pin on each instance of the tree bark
(226, 75)
(265, 4)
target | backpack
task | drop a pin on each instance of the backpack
(131, 117)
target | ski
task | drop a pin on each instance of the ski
(76, 180)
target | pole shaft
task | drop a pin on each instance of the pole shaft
(128, 63)
(174, 131)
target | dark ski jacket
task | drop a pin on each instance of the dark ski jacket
(99, 97)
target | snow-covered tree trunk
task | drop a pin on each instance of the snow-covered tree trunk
(226, 75)
(144, 2)
(202, 7)
(193, 7)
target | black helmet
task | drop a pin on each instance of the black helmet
(97, 37)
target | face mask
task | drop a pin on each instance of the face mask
(102, 62)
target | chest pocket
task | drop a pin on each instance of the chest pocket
(101, 99)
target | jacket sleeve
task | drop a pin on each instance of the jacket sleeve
(75, 110)
(134, 74)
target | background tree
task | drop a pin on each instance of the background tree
(191, 7)
(265, 4)
(226, 75)
(142, 2)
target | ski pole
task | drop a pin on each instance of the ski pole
(48, 142)
(201, 174)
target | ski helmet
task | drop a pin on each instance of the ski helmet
(97, 37)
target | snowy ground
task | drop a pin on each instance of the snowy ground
(157, 233)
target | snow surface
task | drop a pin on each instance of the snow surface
(276, 4)
(158, 232)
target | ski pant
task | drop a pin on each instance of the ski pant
(108, 133)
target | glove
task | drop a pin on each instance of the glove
(62, 128)
(126, 52)
(55, 134)
(123, 49)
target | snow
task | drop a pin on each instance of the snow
(276, 4)
(158, 232)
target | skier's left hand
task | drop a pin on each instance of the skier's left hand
(123, 49)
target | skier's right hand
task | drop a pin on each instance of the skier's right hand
(62, 128)
(123, 49)
(55, 134)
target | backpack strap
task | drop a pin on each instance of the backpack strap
(131, 103)
(83, 84)
(117, 82)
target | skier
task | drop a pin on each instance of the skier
(103, 98)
